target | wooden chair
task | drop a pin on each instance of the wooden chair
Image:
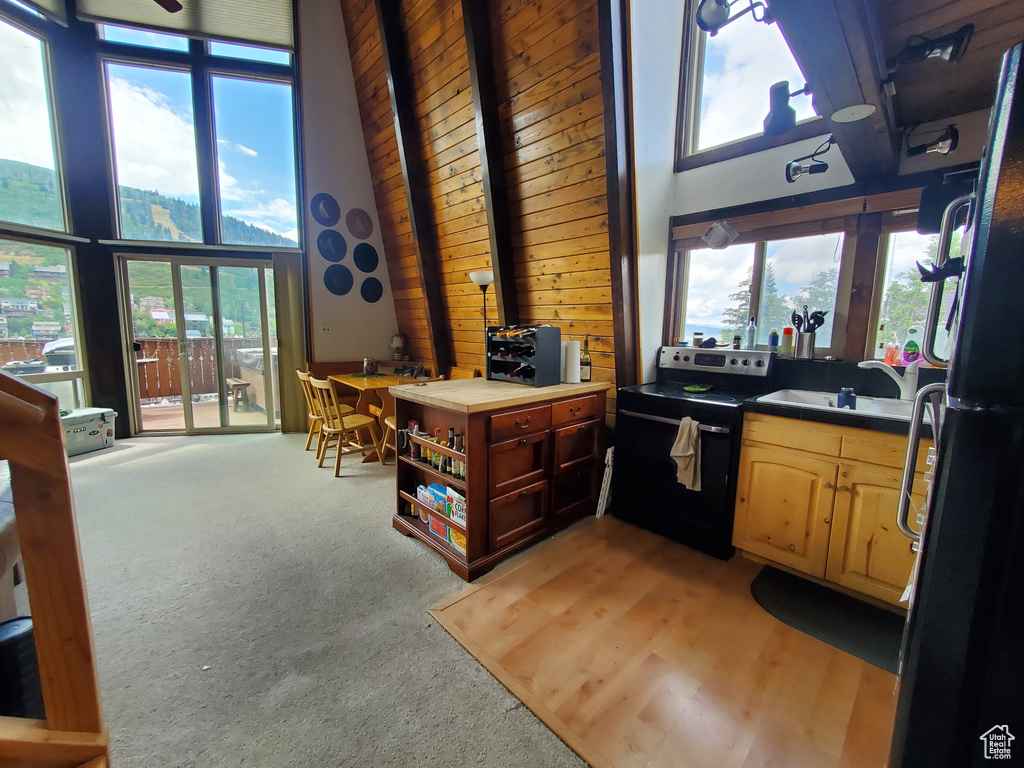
(343, 428)
(316, 418)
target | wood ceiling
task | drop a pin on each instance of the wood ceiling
(934, 90)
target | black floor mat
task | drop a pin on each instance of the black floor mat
(865, 631)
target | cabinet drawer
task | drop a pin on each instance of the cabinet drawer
(574, 495)
(577, 409)
(576, 446)
(518, 514)
(516, 463)
(889, 451)
(505, 426)
(797, 435)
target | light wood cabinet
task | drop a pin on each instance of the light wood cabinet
(867, 552)
(821, 500)
(783, 507)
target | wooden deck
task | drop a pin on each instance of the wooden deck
(168, 418)
(637, 651)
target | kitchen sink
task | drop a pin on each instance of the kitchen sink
(884, 407)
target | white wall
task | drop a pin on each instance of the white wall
(756, 177)
(335, 161)
(655, 50)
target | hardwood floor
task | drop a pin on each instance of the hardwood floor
(638, 651)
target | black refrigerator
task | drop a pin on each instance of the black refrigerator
(961, 685)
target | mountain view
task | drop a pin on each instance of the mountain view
(28, 195)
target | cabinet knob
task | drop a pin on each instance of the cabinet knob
(846, 474)
(522, 425)
(522, 441)
(844, 488)
(792, 547)
(521, 494)
(582, 429)
(826, 484)
(828, 521)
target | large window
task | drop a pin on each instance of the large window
(30, 188)
(768, 280)
(903, 303)
(203, 140)
(726, 83)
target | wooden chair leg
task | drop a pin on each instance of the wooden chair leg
(337, 460)
(312, 430)
(324, 447)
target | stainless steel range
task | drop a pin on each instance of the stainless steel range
(644, 487)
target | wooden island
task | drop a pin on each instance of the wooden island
(534, 460)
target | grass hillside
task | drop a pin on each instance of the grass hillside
(28, 195)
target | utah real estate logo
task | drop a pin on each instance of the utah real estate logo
(997, 742)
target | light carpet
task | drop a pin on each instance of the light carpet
(236, 553)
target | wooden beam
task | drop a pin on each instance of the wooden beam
(865, 258)
(30, 742)
(414, 176)
(839, 48)
(613, 33)
(476, 18)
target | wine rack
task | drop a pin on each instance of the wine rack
(530, 355)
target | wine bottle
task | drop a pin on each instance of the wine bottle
(438, 456)
(449, 461)
(524, 371)
(585, 360)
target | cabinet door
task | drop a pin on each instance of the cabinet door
(576, 446)
(575, 494)
(515, 463)
(784, 507)
(867, 551)
(516, 515)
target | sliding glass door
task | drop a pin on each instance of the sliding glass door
(202, 347)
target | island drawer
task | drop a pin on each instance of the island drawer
(518, 514)
(576, 445)
(577, 409)
(505, 426)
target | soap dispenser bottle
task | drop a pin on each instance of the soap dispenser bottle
(892, 351)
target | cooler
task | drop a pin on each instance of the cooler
(88, 429)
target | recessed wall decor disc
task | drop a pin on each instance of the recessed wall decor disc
(359, 223)
(371, 290)
(338, 279)
(331, 245)
(365, 257)
(325, 209)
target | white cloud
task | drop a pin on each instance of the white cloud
(291, 234)
(238, 147)
(278, 208)
(24, 112)
(736, 96)
(155, 144)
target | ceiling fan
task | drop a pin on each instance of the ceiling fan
(171, 6)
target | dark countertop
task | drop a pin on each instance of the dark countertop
(840, 417)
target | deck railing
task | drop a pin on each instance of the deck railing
(160, 375)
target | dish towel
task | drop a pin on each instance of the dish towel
(686, 454)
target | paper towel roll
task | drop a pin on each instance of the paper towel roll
(572, 361)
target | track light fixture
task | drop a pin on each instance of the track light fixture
(781, 117)
(797, 168)
(946, 142)
(712, 15)
(950, 48)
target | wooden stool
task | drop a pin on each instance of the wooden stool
(239, 389)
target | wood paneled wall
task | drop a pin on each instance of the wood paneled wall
(547, 69)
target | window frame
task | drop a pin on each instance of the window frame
(691, 76)
(37, 28)
(202, 66)
(679, 266)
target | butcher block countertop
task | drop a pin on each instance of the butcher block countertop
(476, 395)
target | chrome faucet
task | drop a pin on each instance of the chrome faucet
(906, 382)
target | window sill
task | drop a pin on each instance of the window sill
(804, 130)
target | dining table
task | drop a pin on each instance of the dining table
(374, 398)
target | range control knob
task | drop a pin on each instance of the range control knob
(746, 362)
(686, 358)
(675, 357)
(733, 361)
(759, 363)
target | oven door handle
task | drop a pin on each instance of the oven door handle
(664, 420)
